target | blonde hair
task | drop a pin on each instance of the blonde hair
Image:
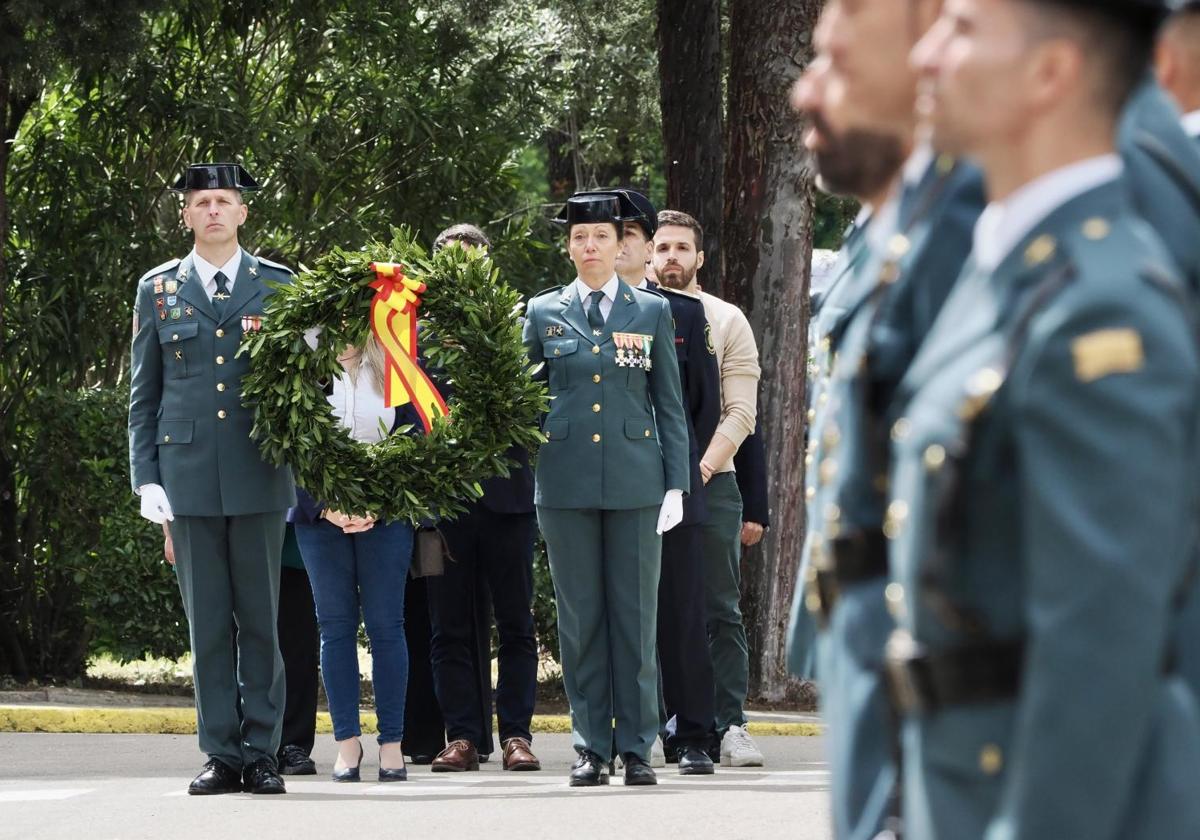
(375, 362)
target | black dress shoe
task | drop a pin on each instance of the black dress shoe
(262, 777)
(217, 777)
(638, 771)
(694, 761)
(589, 771)
(294, 761)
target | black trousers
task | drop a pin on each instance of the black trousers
(683, 652)
(424, 731)
(491, 555)
(300, 644)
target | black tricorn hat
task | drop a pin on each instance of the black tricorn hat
(215, 176)
(590, 208)
(635, 206)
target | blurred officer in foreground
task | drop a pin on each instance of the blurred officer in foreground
(1028, 579)
(610, 481)
(862, 93)
(193, 464)
(1177, 63)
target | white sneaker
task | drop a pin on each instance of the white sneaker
(738, 749)
(658, 758)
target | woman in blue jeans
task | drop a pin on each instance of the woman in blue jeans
(358, 563)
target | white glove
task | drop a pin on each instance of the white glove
(155, 506)
(310, 337)
(671, 512)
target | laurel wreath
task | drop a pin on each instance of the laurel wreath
(469, 324)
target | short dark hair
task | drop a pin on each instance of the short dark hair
(680, 219)
(1120, 50)
(466, 234)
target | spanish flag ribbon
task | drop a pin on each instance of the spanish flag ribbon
(394, 323)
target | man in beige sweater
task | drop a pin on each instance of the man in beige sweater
(677, 258)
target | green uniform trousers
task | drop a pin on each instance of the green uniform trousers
(605, 565)
(228, 570)
(722, 540)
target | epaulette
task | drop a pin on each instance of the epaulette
(273, 264)
(558, 288)
(158, 269)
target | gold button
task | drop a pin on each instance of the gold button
(901, 429)
(220, 333)
(935, 456)
(166, 438)
(894, 596)
(220, 360)
(595, 349)
(647, 433)
(1095, 229)
(991, 759)
(897, 513)
(595, 438)
(596, 408)
(174, 336)
(221, 414)
(828, 470)
(557, 352)
(220, 386)
(595, 377)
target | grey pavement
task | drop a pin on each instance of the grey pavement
(125, 787)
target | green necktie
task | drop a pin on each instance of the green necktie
(222, 294)
(595, 318)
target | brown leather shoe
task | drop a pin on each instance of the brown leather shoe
(457, 757)
(518, 755)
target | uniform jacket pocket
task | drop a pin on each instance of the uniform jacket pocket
(556, 429)
(178, 343)
(174, 431)
(639, 429)
(555, 352)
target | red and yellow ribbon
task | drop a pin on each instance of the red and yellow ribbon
(394, 323)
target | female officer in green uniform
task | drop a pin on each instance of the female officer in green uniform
(610, 480)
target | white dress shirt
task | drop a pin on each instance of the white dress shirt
(358, 406)
(606, 303)
(1004, 224)
(208, 272)
(1191, 124)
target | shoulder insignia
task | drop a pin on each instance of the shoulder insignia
(551, 290)
(708, 340)
(1040, 250)
(1104, 352)
(1096, 228)
(272, 264)
(158, 269)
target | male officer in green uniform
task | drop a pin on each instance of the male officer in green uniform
(919, 240)
(610, 481)
(1043, 491)
(193, 464)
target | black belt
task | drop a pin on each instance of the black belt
(920, 682)
(852, 559)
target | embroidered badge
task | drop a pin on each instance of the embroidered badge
(172, 300)
(175, 313)
(172, 287)
(708, 340)
(1104, 352)
(158, 285)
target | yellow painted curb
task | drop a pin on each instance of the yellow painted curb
(182, 721)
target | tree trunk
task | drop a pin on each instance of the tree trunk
(689, 62)
(768, 247)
